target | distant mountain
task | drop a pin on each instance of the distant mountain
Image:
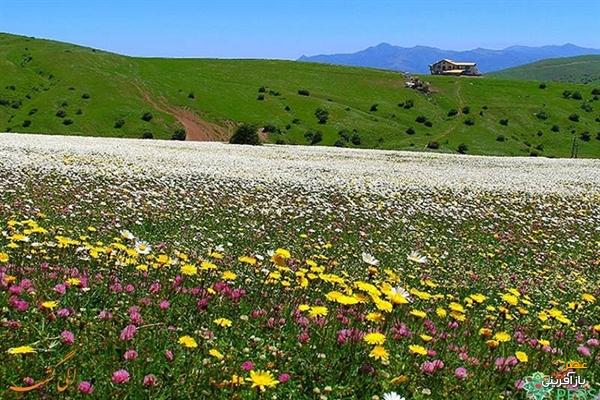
(417, 59)
(581, 69)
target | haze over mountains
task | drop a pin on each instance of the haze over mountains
(417, 59)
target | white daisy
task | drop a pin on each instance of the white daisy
(142, 247)
(392, 396)
(127, 235)
(418, 258)
(369, 259)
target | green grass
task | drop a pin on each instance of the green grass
(45, 74)
(581, 69)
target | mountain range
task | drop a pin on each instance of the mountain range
(417, 59)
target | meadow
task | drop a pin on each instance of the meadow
(60, 88)
(177, 270)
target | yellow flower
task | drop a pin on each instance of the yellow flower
(189, 269)
(206, 265)
(303, 307)
(586, 296)
(216, 354)
(487, 332)
(375, 317)
(478, 297)
(3, 257)
(247, 260)
(142, 267)
(74, 281)
(441, 312)
(544, 342)
(521, 356)
(50, 304)
(383, 305)
(492, 344)
(374, 338)
(188, 341)
(418, 313)
(229, 276)
(379, 353)
(510, 299)
(21, 350)
(399, 379)
(222, 322)
(426, 338)
(502, 337)
(456, 307)
(262, 379)
(347, 300)
(416, 349)
(317, 311)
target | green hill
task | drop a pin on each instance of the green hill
(53, 87)
(582, 69)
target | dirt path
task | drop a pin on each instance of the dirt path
(195, 127)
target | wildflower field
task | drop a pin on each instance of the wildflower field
(146, 269)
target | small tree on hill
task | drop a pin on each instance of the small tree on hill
(245, 134)
(322, 115)
(179, 134)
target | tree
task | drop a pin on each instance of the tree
(374, 107)
(245, 134)
(303, 92)
(504, 121)
(462, 148)
(313, 137)
(574, 117)
(147, 117)
(179, 134)
(322, 115)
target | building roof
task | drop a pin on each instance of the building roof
(457, 62)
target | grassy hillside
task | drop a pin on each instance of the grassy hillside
(582, 69)
(91, 90)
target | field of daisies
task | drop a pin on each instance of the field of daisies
(150, 269)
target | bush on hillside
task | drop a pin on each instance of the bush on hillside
(119, 123)
(313, 137)
(245, 134)
(542, 85)
(421, 119)
(322, 115)
(260, 97)
(271, 128)
(462, 148)
(32, 111)
(303, 92)
(85, 96)
(355, 139)
(574, 117)
(147, 135)
(67, 121)
(191, 95)
(428, 124)
(500, 138)
(61, 113)
(466, 109)
(433, 145)
(452, 112)
(147, 117)
(587, 107)
(179, 134)
(26, 123)
(596, 92)
(566, 94)
(374, 107)
(410, 131)
(576, 95)
(504, 121)
(555, 128)
(407, 104)
(585, 136)
(469, 122)
(541, 115)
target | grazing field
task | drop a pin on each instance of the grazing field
(581, 69)
(155, 269)
(53, 87)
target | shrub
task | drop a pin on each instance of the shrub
(67, 121)
(408, 104)
(119, 123)
(16, 104)
(587, 107)
(410, 131)
(433, 145)
(245, 134)
(61, 113)
(585, 136)
(574, 117)
(296, 121)
(462, 148)
(260, 97)
(64, 104)
(276, 93)
(500, 138)
(85, 96)
(421, 119)
(313, 137)
(466, 109)
(596, 92)
(262, 89)
(555, 128)
(147, 135)
(576, 95)
(4, 102)
(539, 133)
(534, 153)
(270, 128)
(344, 134)
(469, 122)
(79, 111)
(542, 85)
(452, 112)
(322, 115)
(504, 121)
(303, 92)
(191, 95)
(147, 117)
(355, 139)
(567, 94)
(287, 108)
(541, 115)
(26, 123)
(428, 124)
(374, 107)
(32, 111)
(179, 134)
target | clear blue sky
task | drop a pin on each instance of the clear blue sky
(290, 28)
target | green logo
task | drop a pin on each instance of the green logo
(534, 386)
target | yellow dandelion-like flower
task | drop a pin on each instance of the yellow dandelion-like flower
(374, 338)
(51, 304)
(521, 356)
(510, 299)
(188, 341)
(502, 337)
(189, 270)
(417, 349)
(262, 379)
(441, 312)
(3, 257)
(456, 307)
(247, 260)
(478, 297)
(229, 276)
(379, 353)
(317, 311)
(399, 379)
(590, 298)
(418, 313)
(223, 322)
(216, 354)
(303, 307)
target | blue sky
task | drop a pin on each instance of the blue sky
(290, 28)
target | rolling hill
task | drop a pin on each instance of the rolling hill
(582, 69)
(52, 87)
(417, 59)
